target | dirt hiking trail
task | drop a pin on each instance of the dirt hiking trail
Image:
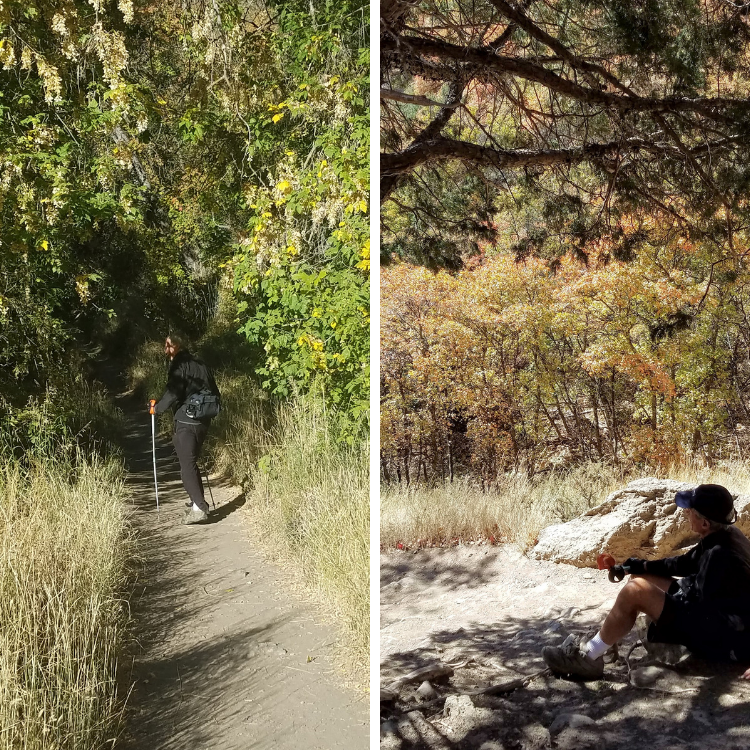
(228, 658)
(488, 611)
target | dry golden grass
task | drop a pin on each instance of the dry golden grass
(64, 546)
(733, 474)
(513, 512)
(519, 508)
(310, 494)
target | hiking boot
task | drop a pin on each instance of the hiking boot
(194, 516)
(569, 659)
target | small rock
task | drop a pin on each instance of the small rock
(535, 737)
(458, 705)
(647, 676)
(584, 738)
(573, 721)
(388, 727)
(426, 692)
(492, 745)
(391, 741)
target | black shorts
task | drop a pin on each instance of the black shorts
(705, 631)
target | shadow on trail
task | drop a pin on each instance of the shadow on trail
(222, 511)
(702, 705)
(221, 658)
(184, 697)
(426, 566)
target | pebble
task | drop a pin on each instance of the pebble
(426, 692)
(536, 737)
(458, 705)
(388, 727)
(647, 676)
(572, 721)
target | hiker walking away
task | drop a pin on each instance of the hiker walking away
(700, 600)
(189, 384)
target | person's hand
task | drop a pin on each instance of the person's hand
(745, 675)
(635, 566)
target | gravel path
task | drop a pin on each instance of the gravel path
(228, 658)
(488, 611)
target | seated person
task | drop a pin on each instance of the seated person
(700, 599)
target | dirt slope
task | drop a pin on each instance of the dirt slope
(228, 657)
(489, 610)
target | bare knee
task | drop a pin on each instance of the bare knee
(635, 590)
(641, 595)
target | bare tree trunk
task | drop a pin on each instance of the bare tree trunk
(598, 433)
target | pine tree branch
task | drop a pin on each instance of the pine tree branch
(442, 149)
(711, 107)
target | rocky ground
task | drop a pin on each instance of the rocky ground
(485, 612)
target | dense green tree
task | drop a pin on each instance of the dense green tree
(148, 148)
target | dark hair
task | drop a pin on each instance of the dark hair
(177, 338)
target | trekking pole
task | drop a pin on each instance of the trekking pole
(205, 474)
(152, 412)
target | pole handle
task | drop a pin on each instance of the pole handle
(152, 406)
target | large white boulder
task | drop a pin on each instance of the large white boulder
(640, 520)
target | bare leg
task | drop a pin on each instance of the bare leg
(640, 594)
(662, 582)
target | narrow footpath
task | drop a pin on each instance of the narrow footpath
(227, 657)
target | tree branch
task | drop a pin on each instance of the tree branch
(441, 149)
(710, 107)
(421, 101)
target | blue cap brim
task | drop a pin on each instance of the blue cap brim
(684, 499)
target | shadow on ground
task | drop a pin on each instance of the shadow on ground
(693, 704)
(221, 659)
(428, 567)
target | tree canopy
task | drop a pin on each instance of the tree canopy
(149, 149)
(567, 182)
(557, 124)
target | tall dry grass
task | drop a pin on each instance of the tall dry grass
(64, 547)
(515, 511)
(309, 493)
(519, 507)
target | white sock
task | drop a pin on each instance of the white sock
(196, 508)
(596, 646)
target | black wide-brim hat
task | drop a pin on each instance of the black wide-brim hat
(712, 501)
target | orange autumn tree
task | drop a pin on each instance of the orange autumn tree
(509, 365)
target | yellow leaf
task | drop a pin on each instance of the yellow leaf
(45, 245)
(278, 117)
